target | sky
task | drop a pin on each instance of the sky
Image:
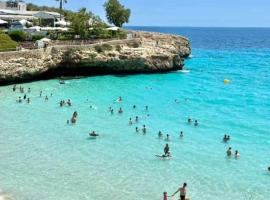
(194, 13)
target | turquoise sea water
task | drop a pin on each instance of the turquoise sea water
(41, 157)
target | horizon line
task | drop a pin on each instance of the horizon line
(159, 26)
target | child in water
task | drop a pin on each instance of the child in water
(165, 196)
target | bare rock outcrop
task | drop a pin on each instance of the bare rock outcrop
(144, 53)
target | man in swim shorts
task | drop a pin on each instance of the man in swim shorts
(182, 191)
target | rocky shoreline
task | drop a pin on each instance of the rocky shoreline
(145, 52)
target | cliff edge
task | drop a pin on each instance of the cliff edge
(144, 52)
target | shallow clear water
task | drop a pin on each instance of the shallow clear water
(43, 158)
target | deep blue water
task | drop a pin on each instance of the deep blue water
(43, 158)
(219, 38)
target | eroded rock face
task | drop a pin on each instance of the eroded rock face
(145, 52)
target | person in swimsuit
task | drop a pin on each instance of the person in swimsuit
(160, 134)
(120, 110)
(144, 129)
(137, 119)
(166, 150)
(165, 196)
(237, 154)
(182, 191)
(229, 151)
(181, 134)
(130, 121)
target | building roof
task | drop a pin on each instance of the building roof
(7, 14)
(2, 21)
(46, 15)
(16, 12)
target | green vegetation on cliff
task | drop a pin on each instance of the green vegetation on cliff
(6, 43)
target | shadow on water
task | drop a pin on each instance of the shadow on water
(67, 72)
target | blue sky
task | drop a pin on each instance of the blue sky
(209, 13)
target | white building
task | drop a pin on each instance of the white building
(17, 5)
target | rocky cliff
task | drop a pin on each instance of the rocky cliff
(144, 52)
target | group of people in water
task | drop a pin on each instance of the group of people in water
(63, 103)
(182, 192)
(26, 97)
(166, 150)
(230, 153)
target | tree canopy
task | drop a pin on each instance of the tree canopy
(80, 22)
(116, 13)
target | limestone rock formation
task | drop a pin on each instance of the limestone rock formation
(144, 53)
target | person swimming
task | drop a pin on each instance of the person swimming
(236, 154)
(111, 111)
(93, 134)
(144, 129)
(19, 100)
(196, 123)
(130, 121)
(46, 98)
(181, 134)
(134, 106)
(119, 99)
(167, 137)
(137, 129)
(229, 151)
(24, 97)
(189, 120)
(137, 119)
(160, 135)
(120, 110)
(146, 108)
(226, 138)
(68, 102)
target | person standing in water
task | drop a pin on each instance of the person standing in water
(144, 129)
(160, 134)
(165, 196)
(182, 191)
(166, 149)
(229, 151)
(130, 121)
